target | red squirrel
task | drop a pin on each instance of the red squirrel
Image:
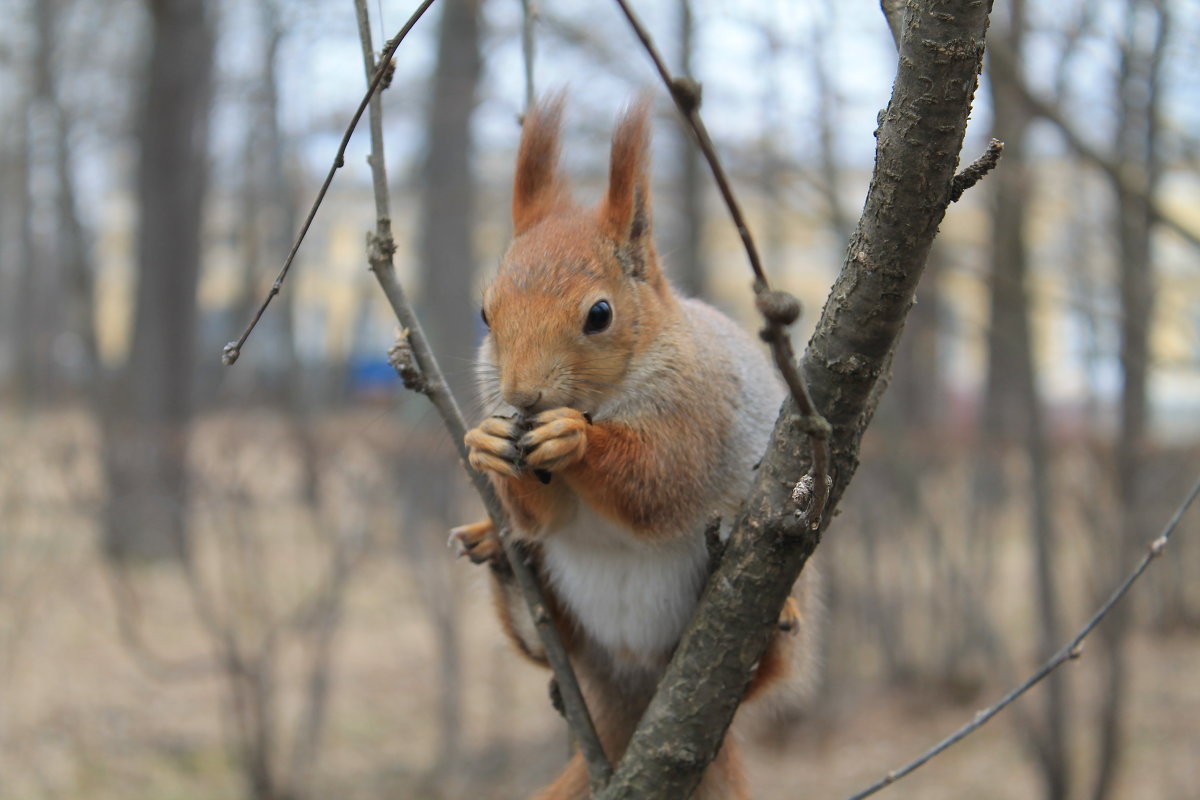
(627, 416)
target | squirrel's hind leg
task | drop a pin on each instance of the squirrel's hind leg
(571, 783)
(776, 662)
(478, 541)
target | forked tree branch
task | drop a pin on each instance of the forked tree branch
(918, 142)
(423, 373)
(1071, 650)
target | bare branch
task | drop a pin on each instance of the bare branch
(974, 173)
(779, 309)
(230, 353)
(1069, 651)
(686, 94)
(428, 378)
(529, 15)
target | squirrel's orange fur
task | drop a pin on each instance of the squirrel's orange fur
(626, 416)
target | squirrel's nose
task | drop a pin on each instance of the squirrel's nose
(524, 400)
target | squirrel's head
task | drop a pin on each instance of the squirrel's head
(580, 294)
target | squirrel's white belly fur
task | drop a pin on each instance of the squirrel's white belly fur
(632, 597)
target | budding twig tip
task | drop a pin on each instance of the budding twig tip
(777, 307)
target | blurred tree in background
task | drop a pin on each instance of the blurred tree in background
(149, 407)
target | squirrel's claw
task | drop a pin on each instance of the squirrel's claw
(557, 439)
(493, 447)
(789, 616)
(477, 541)
(484, 462)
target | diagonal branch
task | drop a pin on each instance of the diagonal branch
(919, 138)
(779, 309)
(425, 375)
(230, 353)
(1071, 650)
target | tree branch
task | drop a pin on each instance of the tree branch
(919, 139)
(1071, 650)
(230, 353)
(424, 374)
(529, 13)
(779, 309)
(977, 170)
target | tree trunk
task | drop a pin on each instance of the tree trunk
(449, 261)
(150, 406)
(266, 225)
(1137, 148)
(75, 355)
(1013, 410)
(30, 350)
(447, 223)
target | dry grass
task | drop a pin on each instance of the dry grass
(81, 717)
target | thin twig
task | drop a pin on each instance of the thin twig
(686, 94)
(431, 383)
(974, 173)
(230, 353)
(779, 309)
(1071, 650)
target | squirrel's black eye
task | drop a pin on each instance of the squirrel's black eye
(483, 316)
(598, 318)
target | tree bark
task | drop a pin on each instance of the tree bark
(150, 406)
(919, 139)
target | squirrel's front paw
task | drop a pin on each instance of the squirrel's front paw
(557, 439)
(492, 446)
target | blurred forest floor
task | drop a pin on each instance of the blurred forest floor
(89, 709)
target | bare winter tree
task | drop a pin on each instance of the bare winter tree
(56, 344)
(1142, 45)
(448, 258)
(1012, 408)
(149, 405)
(267, 213)
(447, 221)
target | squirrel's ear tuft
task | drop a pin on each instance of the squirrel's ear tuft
(625, 212)
(537, 187)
